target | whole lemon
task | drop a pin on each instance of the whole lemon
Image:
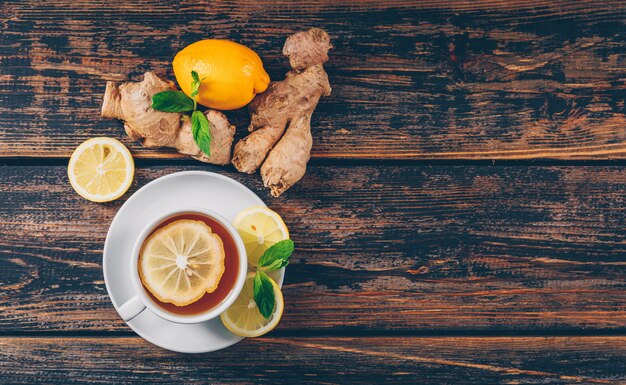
(233, 73)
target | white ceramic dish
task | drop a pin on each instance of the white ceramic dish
(169, 193)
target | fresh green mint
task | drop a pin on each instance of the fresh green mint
(264, 294)
(172, 101)
(200, 128)
(276, 256)
(195, 84)
(176, 101)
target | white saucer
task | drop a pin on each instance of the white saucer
(206, 189)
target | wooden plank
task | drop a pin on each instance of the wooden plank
(411, 80)
(378, 248)
(410, 360)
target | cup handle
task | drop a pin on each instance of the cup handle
(131, 308)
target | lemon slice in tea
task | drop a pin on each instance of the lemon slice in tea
(182, 261)
(259, 228)
(243, 317)
(101, 169)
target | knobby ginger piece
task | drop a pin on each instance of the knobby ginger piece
(286, 162)
(286, 105)
(132, 103)
(306, 49)
(266, 128)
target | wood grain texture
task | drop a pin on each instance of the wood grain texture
(411, 80)
(378, 248)
(538, 360)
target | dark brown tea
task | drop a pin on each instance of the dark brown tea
(226, 283)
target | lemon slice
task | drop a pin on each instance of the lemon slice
(259, 228)
(101, 169)
(181, 261)
(243, 317)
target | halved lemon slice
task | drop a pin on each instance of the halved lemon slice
(243, 317)
(259, 228)
(101, 169)
(181, 261)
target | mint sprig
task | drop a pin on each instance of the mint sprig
(201, 130)
(195, 84)
(172, 101)
(264, 294)
(176, 101)
(276, 256)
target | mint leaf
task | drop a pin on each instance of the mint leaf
(195, 76)
(201, 130)
(172, 101)
(276, 256)
(264, 294)
(195, 84)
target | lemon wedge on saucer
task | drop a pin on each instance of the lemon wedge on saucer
(181, 261)
(244, 319)
(259, 228)
(101, 169)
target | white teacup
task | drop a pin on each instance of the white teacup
(142, 300)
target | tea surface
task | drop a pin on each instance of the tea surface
(229, 277)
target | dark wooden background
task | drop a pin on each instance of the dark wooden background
(463, 219)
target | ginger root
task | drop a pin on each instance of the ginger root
(286, 105)
(132, 102)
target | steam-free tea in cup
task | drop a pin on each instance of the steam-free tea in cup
(188, 264)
